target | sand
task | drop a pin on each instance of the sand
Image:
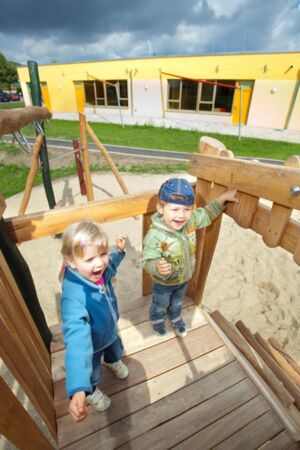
(247, 280)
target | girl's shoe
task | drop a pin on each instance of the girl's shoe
(99, 400)
(119, 369)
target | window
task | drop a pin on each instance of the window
(197, 96)
(110, 93)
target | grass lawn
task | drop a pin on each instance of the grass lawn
(12, 105)
(13, 177)
(169, 139)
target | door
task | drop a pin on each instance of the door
(244, 105)
(80, 98)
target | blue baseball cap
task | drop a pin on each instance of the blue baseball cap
(177, 190)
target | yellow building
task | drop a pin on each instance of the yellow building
(254, 89)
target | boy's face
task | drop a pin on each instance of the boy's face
(175, 216)
(92, 265)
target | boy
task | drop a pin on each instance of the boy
(169, 248)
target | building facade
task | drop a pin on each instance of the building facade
(253, 89)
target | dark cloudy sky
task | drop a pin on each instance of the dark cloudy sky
(73, 30)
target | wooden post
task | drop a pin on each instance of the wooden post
(86, 158)
(79, 167)
(206, 238)
(108, 159)
(31, 175)
(146, 278)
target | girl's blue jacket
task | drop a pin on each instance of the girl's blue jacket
(89, 315)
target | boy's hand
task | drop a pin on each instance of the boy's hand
(120, 242)
(77, 407)
(163, 267)
(227, 196)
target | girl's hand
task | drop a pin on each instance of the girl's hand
(228, 196)
(163, 267)
(77, 407)
(120, 242)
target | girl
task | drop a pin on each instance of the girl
(90, 313)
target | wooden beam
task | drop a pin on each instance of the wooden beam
(281, 361)
(289, 416)
(276, 369)
(253, 358)
(14, 119)
(261, 180)
(34, 226)
(272, 341)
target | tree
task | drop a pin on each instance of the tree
(8, 71)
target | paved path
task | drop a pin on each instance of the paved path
(208, 126)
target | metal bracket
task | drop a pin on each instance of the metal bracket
(22, 141)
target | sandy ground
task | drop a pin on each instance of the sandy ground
(247, 280)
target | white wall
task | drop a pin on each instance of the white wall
(270, 103)
(147, 98)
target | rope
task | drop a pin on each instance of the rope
(215, 83)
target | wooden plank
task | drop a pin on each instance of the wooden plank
(151, 413)
(127, 320)
(132, 312)
(14, 307)
(138, 338)
(2, 205)
(261, 180)
(17, 425)
(85, 158)
(37, 225)
(283, 441)
(244, 211)
(254, 434)
(278, 221)
(280, 215)
(288, 358)
(253, 357)
(227, 425)
(147, 364)
(281, 361)
(32, 172)
(287, 415)
(194, 419)
(276, 369)
(22, 367)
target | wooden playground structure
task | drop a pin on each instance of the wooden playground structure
(221, 387)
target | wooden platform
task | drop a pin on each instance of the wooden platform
(186, 393)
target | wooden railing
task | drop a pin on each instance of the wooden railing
(24, 352)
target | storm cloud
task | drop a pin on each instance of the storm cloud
(69, 30)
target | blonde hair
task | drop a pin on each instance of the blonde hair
(78, 236)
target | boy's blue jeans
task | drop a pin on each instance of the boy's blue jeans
(167, 300)
(112, 353)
